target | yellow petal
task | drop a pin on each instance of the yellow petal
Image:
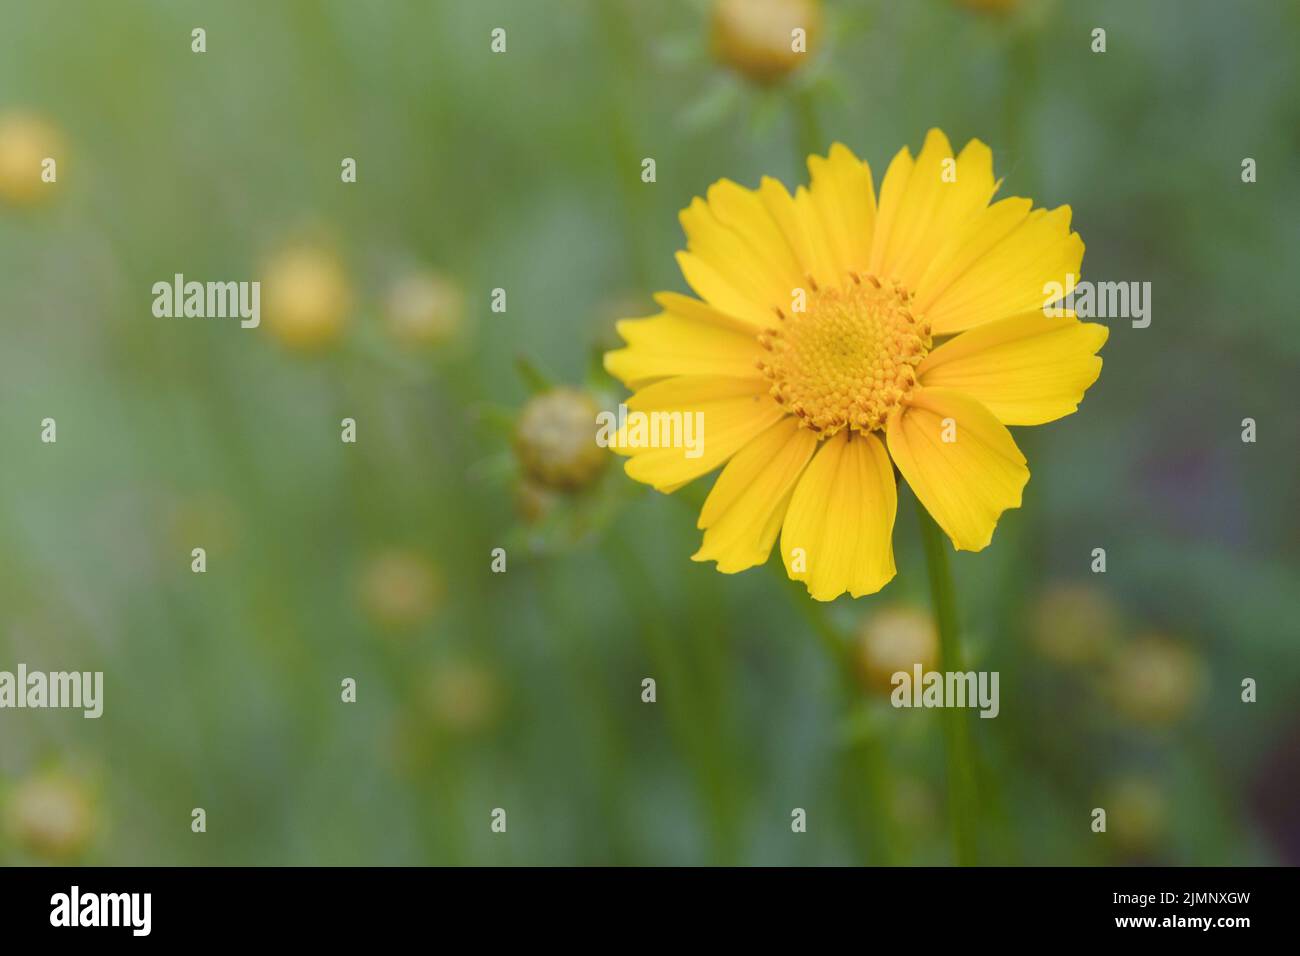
(841, 517)
(1026, 370)
(735, 411)
(799, 223)
(923, 202)
(744, 510)
(845, 200)
(719, 290)
(999, 264)
(669, 344)
(743, 211)
(735, 236)
(689, 307)
(965, 483)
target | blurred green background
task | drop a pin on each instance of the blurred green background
(522, 690)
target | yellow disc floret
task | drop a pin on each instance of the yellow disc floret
(848, 358)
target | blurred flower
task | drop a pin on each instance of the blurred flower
(555, 439)
(1155, 680)
(1136, 813)
(894, 639)
(305, 297)
(1073, 623)
(464, 697)
(460, 699)
(51, 815)
(425, 309)
(400, 589)
(756, 37)
(26, 141)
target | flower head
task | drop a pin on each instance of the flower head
(308, 298)
(52, 815)
(26, 141)
(464, 696)
(837, 337)
(758, 38)
(1155, 680)
(400, 589)
(555, 439)
(1073, 624)
(896, 639)
(425, 309)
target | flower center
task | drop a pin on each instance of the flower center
(849, 358)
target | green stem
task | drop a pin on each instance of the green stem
(960, 757)
(809, 138)
(867, 760)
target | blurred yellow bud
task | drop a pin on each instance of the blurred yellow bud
(464, 697)
(1136, 813)
(51, 815)
(764, 40)
(305, 297)
(400, 589)
(26, 143)
(1155, 680)
(555, 439)
(425, 309)
(895, 639)
(1073, 623)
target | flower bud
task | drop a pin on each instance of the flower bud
(425, 309)
(400, 589)
(51, 815)
(895, 639)
(555, 439)
(757, 37)
(26, 141)
(464, 697)
(1073, 624)
(305, 298)
(1155, 680)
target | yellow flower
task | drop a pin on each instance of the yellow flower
(26, 141)
(51, 815)
(832, 334)
(307, 297)
(757, 37)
